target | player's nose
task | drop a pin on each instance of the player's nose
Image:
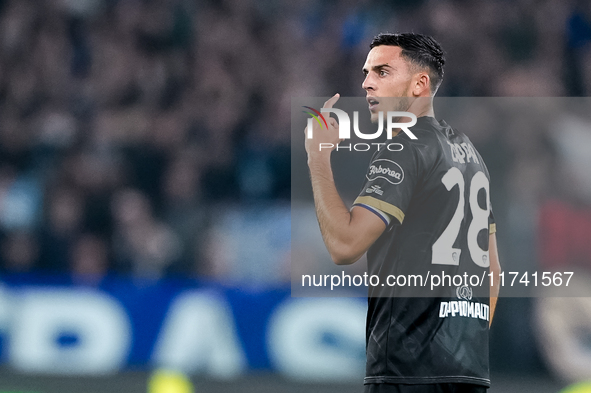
(368, 83)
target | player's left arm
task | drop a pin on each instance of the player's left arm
(495, 269)
(347, 234)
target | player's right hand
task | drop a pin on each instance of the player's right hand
(324, 140)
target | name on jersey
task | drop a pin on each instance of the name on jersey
(387, 170)
(464, 308)
(463, 153)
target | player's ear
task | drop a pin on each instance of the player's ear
(422, 84)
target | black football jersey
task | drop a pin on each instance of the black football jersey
(433, 194)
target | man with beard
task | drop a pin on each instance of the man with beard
(422, 207)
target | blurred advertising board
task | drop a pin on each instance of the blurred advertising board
(54, 325)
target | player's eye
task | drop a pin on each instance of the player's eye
(383, 73)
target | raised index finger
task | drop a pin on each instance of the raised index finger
(331, 101)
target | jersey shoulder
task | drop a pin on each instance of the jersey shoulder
(427, 148)
(439, 141)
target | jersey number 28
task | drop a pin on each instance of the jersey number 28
(443, 251)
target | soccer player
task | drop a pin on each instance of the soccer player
(424, 206)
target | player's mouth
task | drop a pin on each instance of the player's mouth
(373, 103)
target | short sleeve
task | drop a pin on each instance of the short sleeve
(492, 226)
(390, 181)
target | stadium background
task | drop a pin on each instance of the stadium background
(145, 173)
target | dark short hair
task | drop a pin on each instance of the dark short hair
(420, 50)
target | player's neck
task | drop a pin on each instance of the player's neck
(419, 111)
(423, 106)
(427, 112)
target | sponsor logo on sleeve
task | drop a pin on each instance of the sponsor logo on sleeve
(375, 188)
(387, 170)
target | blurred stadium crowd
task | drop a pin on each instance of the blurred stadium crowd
(129, 127)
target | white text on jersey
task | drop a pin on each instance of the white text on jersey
(463, 153)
